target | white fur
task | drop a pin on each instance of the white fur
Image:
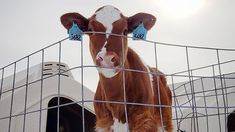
(150, 79)
(118, 126)
(107, 16)
(150, 76)
(108, 73)
(102, 52)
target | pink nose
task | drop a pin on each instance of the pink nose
(107, 60)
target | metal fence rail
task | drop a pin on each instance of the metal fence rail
(202, 103)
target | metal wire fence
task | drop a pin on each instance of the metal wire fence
(201, 103)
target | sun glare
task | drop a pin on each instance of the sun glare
(179, 8)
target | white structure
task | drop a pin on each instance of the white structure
(212, 107)
(39, 94)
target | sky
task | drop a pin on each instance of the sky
(29, 25)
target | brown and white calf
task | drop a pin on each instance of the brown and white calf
(106, 51)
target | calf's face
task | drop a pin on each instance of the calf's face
(106, 30)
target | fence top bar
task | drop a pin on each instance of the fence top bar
(162, 43)
(150, 41)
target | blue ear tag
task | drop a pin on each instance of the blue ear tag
(140, 32)
(75, 33)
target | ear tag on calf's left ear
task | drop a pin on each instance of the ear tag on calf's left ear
(140, 32)
(75, 33)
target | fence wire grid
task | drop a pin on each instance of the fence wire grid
(37, 96)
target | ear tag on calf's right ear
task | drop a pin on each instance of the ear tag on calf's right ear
(75, 33)
(140, 32)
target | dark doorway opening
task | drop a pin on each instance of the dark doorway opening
(231, 122)
(70, 117)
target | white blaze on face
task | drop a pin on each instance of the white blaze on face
(107, 16)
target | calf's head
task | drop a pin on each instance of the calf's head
(107, 50)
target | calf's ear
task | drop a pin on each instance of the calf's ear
(147, 19)
(68, 19)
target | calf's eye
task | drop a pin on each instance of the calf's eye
(125, 32)
(91, 31)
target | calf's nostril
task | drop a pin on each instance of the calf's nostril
(100, 58)
(113, 59)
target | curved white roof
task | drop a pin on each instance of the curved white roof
(49, 87)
